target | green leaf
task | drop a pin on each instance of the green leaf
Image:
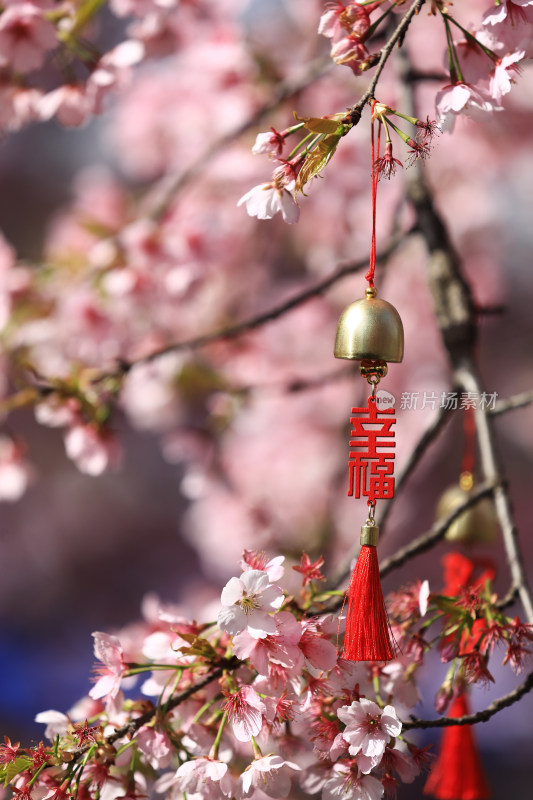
(316, 160)
(199, 646)
(325, 125)
(12, 769)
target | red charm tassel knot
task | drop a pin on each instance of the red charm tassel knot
(457, 773)
(367, 635)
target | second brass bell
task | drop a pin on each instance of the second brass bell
(370, 329)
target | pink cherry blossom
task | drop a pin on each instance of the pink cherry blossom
(270, 774)
(92, 450)
(113, 71)
(68, 103)
(511, 10)
(246, 603)
(270, 143)
(25, 37)
(368, 727)
(15, 473)
(155, 745)
(204, 776)
(319, 652)
(350, 52)
(281, 647)
(339, 20)
(399, 759)
(503, 74)
(266, 200)
(461, 98)
(245, 712)
(108, 650)
(347, 783)
(253, 560)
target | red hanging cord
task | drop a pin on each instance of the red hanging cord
(373, 149)
(469, 446)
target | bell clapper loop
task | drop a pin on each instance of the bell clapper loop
(373, 371)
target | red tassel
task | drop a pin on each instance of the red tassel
(457, 773)
(367, 626)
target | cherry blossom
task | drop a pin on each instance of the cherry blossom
(269, 142)
(69, 104)
(339, 20)
(270, 774)
(423, 598)
(92, 450)
(246, 603)
(347, 783)
(461, 98)
(245, 711)
(108, 650)
(25, 37)
(502, 76)
(204, 776)
(368, 727)
(15, 472)
(273, 567)
(281, 647)
(155, 745)
(267, 199)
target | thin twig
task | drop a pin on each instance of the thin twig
(479, 716)
(511, 403)
(158, 201)
(491, 470)
(438, 531)
(161, 197)
(133, 725)
(386, 50)
(425, 541)
(234, 331)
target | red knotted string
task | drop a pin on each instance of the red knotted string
(375, 174)
(469, 446)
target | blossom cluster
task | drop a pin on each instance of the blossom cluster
(256, 703)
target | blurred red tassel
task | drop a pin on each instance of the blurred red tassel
(367, 635)
(457, 773)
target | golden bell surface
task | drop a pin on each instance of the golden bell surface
(476, 525)
(370, 329)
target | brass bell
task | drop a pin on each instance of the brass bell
(371, 330)
(477, 524)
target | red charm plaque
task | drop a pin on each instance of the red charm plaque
(372, 446)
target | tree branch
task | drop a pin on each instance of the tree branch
(438, 531)
(479, 716)
(234, 331)
(457, 319)
(386, 50)
(492, 470)
(423, 542)
(511, 403)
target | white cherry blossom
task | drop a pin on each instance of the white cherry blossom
(368, 727)
(267, 199)
(461, 98)
(246, 603)
(347, 783)
(270, 774)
